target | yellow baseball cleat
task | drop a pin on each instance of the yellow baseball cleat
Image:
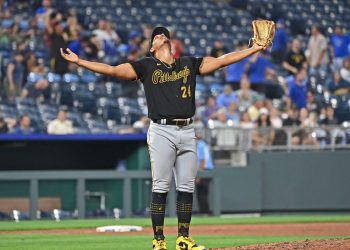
(187, 243)
(159, 244)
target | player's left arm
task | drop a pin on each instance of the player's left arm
(211, 64)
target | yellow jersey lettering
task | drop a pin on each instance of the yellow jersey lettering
(156, 75)
(184, 94)
(159, 76)
(186, 91)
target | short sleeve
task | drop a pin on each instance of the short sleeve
(140, 67)
(309, 44)
(197, 63)
(323, 43)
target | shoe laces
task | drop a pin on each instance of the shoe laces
(189, 239)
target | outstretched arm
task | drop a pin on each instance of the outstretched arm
(211, 64)
(123, 71)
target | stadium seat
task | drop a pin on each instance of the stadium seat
(197, 24)
(52, 77)
(70, 78)
(84, 101)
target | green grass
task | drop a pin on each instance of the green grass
(92, 223)
(139, 242)
(109, 242)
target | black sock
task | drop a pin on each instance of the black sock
(157, 214)
(184, 212)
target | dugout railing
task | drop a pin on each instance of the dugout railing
(34, 178)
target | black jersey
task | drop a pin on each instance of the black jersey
(169, 89)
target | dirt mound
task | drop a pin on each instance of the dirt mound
(338, 244)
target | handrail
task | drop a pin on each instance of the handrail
(34, 178)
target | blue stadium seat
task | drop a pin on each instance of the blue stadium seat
(70, 78)
(216, 89)
(65, 96)
(88, 77)
(81, 130)
(52, 77)
(7, 23)
(33, 77)
(84, 101)
(26, 102)
(77, 119)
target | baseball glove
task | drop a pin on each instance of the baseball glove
(264, 31)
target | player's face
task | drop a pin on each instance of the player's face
(159, 41)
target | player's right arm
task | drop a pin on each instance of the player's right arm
(123, 71)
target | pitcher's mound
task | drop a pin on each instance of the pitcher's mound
(327, 244)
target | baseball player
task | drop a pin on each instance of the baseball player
(169, 85)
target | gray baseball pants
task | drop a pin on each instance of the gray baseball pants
(172, 149)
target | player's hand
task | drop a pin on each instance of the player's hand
(70, 56)
(257, 47)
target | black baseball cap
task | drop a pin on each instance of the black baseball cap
(157, 31)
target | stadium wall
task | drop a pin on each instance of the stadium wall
(282, 181)
(271, 182)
